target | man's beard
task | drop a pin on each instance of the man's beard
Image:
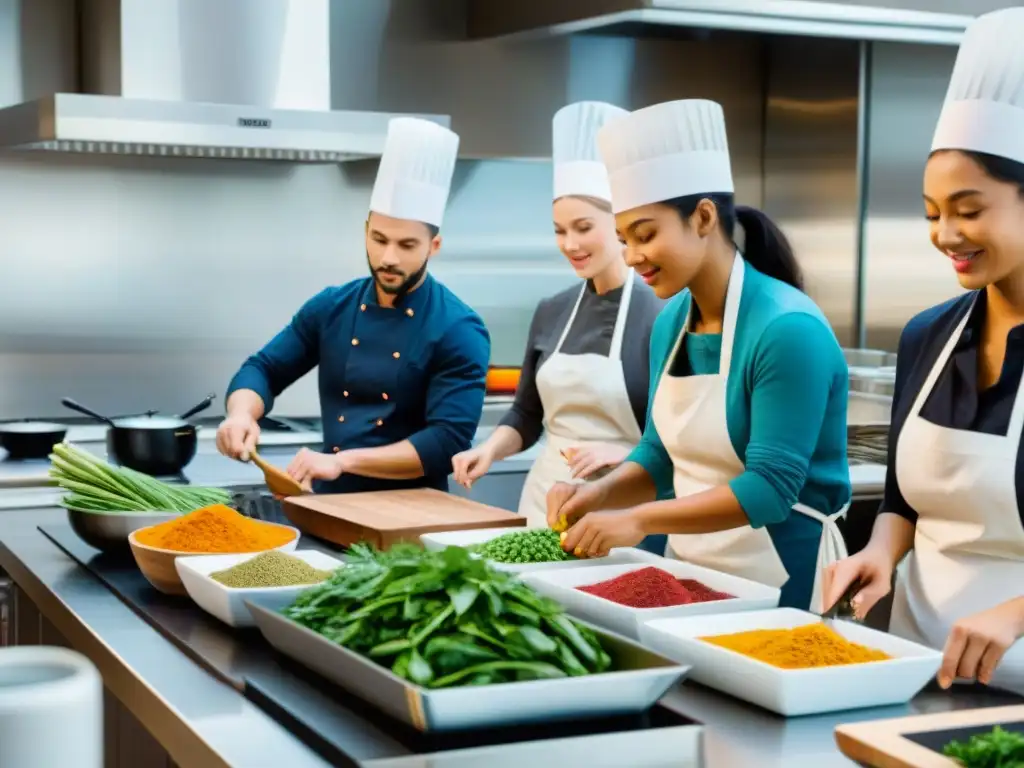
(398, 291)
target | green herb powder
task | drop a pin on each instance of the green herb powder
(270, 569)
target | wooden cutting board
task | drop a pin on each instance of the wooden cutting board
(885, 743)
(384, 518)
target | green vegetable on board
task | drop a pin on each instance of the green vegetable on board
(93, 485)
(270, 569)
(536, 545)
(997, 748)
(441, 619)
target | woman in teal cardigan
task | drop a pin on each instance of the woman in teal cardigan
(743, 459)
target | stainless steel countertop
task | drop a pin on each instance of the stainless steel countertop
(202, 722)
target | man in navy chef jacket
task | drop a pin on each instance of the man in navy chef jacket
(403, 362)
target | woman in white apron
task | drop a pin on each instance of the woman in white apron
(953, 496)
(584, 378)
(749, 385)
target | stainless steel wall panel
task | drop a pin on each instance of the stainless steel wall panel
(903, 272)
(810, 165)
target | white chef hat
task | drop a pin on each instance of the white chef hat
(577, 164)
(415, 171)
(984, 108)
(669, 150)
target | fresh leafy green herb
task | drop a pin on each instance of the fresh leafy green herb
(536, 545)
(998, 748)
(446, 618)
(93, 485)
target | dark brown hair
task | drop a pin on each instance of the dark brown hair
(765, 247)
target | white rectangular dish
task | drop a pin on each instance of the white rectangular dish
(791, 692)
(228, 604)
(561, 585)
(639, 679)
(442, 539)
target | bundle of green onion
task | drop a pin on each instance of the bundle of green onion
(93, 485)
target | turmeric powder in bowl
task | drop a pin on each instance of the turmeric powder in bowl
(805, 647)
(216, 528)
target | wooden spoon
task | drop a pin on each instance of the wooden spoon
(279, 482)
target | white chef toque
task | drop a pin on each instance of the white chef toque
(577, 164)
(415, 171)
(984, 108)
(666, 151)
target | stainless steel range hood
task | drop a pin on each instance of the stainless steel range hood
(246, 79)
(923, 21)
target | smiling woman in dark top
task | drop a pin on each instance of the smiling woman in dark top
(955, 485)
(585, 375)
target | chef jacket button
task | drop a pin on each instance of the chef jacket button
(336, 449)
(355, 342)
(362, 307)
(380, 422)
(345, 393)
(396, 355)
(341, 418)
(409, 312)
(384, 395)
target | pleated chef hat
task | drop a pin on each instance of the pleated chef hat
(578, 166)
(984, 108)
(415, 172)
(666, 151)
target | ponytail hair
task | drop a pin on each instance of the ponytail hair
(765, 247)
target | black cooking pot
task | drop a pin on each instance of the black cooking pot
(30, 439)
(153, 444)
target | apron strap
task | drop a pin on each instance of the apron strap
(572, 316)
(831, 548)
(940, 365)
(731, 314)
(615, 352)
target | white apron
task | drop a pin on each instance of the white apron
(585, 401)
(690, 415)
(968, 553)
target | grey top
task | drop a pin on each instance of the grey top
(591, 333)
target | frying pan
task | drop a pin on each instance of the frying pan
(30, 439)
(155, 445)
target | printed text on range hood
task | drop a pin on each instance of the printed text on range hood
(201, 78)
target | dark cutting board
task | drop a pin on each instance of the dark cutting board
(917, 742)
(384, 518)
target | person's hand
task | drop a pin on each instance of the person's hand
(469, 466)
(308, 466)
(563, 505)
(237, 436)
(596, 534)
(584, 460)
(874, 571)
(976, 643)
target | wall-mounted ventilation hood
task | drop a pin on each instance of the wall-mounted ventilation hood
(923, 21)
(246, 79)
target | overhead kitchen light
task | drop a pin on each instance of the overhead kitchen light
(882, 20)
(239, 79)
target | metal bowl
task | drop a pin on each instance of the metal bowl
(109, 531)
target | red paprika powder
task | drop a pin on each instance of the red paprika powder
(653, 588)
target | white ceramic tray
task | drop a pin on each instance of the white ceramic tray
(794, 691)
(561, 585)
(641, 678)
(227, 603)
(442, 539)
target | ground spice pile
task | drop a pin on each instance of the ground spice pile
(812, 645)
(653, 588)
(270, 569)
(214, 529)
